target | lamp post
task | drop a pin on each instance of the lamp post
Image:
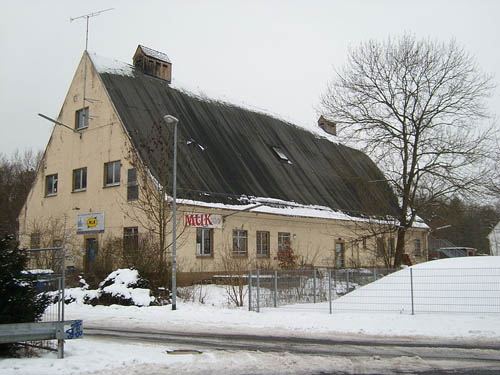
(171, 120)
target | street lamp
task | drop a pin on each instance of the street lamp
(171, 120)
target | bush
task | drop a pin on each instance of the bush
(19, 299)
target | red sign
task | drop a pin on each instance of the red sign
(203, 220)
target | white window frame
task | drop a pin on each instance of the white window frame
(284, 241)
(263, 244)
(81, 180)
(418, 248)
(82, 118)
(240, 242)
(201, 249)
(51, 182)
(116, 170)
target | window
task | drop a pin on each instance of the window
(130, 239)
(380, 247)
(392, 247)
(51, 184)
(262, 244)
(283, 241)
(281, 154)
(132, 186)
(112, 173)
(364, 242)
(204, 241)
(35, 240)
(418, 251)
(80, 179)
(82, 118)
(339, 255)
(239, 242)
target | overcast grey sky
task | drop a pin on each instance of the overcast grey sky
(272, 55)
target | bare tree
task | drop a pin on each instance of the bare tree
(148, 195)
(416, 107)
(235, 280)
(17, 174)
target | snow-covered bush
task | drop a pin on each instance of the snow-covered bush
(121, 287)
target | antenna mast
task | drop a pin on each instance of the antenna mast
(87, 16)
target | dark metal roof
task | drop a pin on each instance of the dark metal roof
(226, 151)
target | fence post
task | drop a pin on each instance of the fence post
(411, 286)
(249, 290)
(59, 297)
(258, 290)
(275, 288)
(314, 285)
(330, 289)
(347, 280)
(63, 282)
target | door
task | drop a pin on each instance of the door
(90, 253)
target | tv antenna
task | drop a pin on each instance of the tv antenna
(87, 16)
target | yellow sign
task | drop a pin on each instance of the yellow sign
(91, 222)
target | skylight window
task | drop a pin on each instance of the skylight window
(281, 154)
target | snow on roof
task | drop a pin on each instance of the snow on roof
(155, 54)
(112, 66)
(281, 207)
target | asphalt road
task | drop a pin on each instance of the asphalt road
(441, 357)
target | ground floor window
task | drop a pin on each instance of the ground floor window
(204, 241)
(35, 240)
(339, 255)
(283, 241)
(262, 244)
(418, 250)
(240, 242)
(130, 239)
(380, 247)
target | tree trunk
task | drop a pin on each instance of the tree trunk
(400, 247)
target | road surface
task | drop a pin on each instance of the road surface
(429, 357)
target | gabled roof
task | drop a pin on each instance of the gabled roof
(226, 152)
(155, 54)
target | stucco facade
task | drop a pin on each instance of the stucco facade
(55, 203)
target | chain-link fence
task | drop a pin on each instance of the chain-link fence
(411, 290)
(46, 269)
(284, 287)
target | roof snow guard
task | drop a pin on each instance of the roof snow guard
(238, 156)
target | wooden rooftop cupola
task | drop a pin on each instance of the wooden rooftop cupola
(327, 125)
(153, 63)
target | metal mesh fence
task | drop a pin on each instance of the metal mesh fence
(380, 290)
(45, 269)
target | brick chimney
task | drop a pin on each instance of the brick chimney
(153, 63)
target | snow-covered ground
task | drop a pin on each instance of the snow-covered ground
(91, 355)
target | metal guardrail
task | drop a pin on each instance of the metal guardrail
(62, 330)
(18, 332)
